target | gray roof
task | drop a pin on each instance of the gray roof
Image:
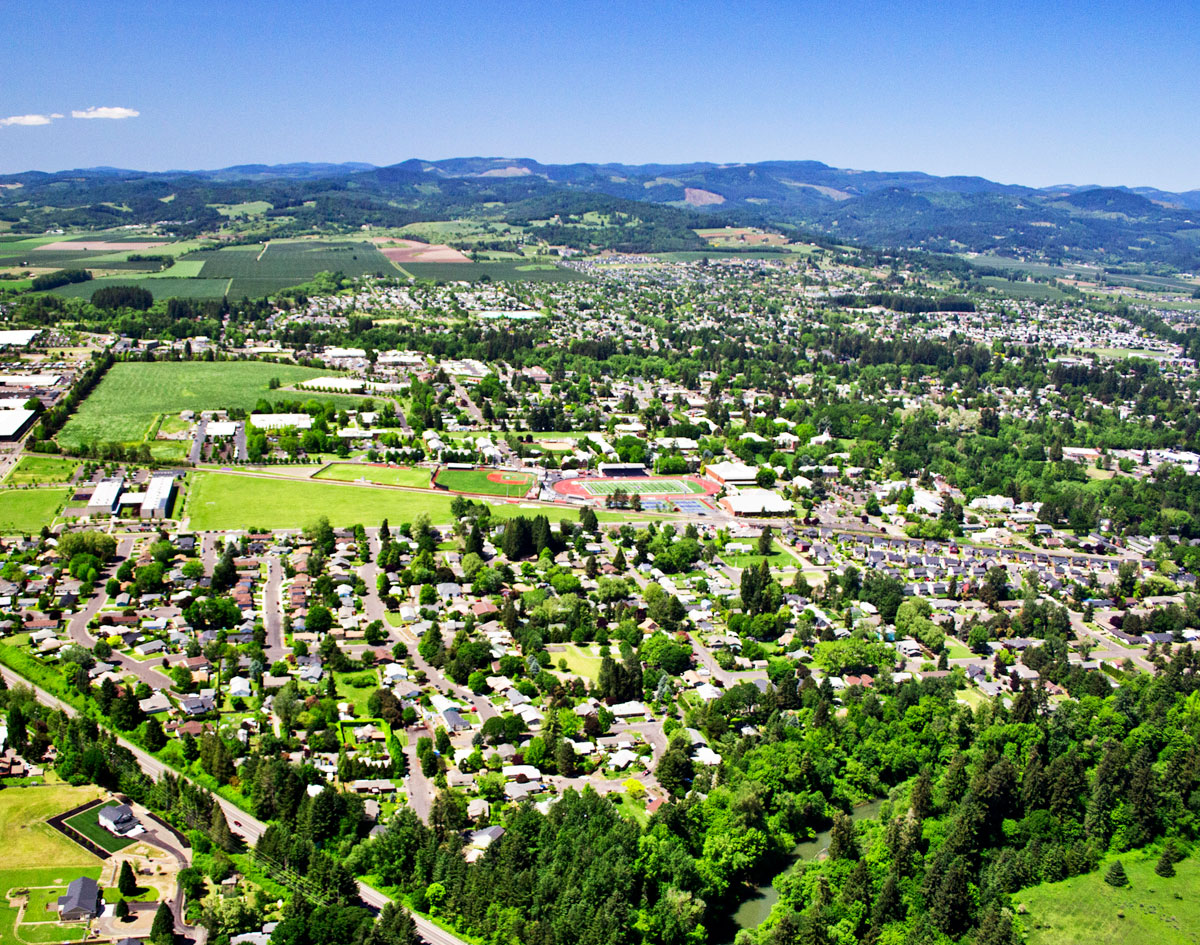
(82, 894)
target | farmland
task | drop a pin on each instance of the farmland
(485, 481)
(495, 271)
(158, 286)
(256, 271)
(123, 407)
(226, 500)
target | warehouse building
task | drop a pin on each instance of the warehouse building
(106, 498)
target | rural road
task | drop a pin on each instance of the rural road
(241, 823)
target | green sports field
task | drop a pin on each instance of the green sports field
(132, 394)
(228, 500)
(416, 478)
(486, 481)
(642, 487)
(25, 511)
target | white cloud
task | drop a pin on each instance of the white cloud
(105, 111)
(27, 120)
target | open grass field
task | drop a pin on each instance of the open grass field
(384, 475)
(778, 558)
(25, 511)
(227, 500)
(124, 405)
(1085, 909)
(643, 487)
(581, 661)
(88, 825)
(29, 842)
(42, 469)
(486, 481)
(495, 271)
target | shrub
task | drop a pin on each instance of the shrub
(1116, 875)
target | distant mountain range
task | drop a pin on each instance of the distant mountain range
(888, 209)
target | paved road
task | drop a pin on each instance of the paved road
(77, 628)
(241, 823)
(239, 441)
(471, 407)
(273, 609)
(197, 449)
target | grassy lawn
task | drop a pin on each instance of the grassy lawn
(956, 651)
(225, 500)
(27, 510)
(359, 695)
(384, 475)
(486, 481)
(633, 810)
(126, 402)
(41, 469)
(1085, 909)
(581, 661)
(88, 825)
(778, 557)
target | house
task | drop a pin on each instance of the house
(240, 688)
(119, 821)
(81, 900)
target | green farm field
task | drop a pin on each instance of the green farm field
(1085, 909)
(124, 405)
(384, 475)
(41, 469)
(25, 511)
(496, 271)
(287, 263)
(227, 500)
(486, 481)
(158, 286)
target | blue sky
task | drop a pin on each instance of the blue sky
(1031, 93)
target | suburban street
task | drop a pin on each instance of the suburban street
(241, 823)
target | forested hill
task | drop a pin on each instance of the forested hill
(901, 209)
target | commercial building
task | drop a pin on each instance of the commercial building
(731, 474)
(280, 421)
(156, 501)
(106, 498)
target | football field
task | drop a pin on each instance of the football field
(606, 487)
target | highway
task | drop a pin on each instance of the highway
(241, 823)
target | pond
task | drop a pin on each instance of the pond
(754, 910)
